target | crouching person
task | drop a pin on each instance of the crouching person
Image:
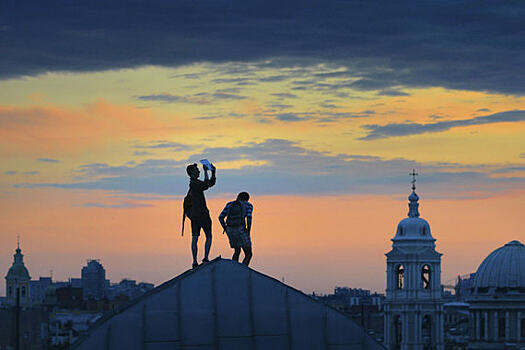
(238, 224)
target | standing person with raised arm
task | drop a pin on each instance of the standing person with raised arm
(199, 214)
(238, 225)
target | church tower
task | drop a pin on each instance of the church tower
(414, 303)
(17, 281)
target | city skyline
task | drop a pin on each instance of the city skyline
(319, 112)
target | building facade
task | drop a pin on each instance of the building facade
(497, 301)
(414, 301)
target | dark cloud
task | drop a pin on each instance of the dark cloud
(483, 110)
(289, 117)
(10, 172)
(376, 131)
(384, 44)
(174, 146)
(226, 96)
(393, 93)
(169, 98)
(34, 172)
(284, 95)
(142, 153)
(48, 160)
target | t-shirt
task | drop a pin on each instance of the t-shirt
(249, 209)
(198, 202)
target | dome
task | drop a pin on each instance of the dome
(18, 271)
(413, 227)
(502, 271)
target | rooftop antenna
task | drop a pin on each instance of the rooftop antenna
(413, 182)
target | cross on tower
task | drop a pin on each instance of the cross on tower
(413, 182)
(18, 241)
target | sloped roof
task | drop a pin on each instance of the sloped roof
(225, 305)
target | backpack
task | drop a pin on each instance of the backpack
(236, 214)
(186, 209)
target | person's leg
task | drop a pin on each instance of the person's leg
(194, 240)
(207, 231)
(247, 255)
(195, 232)
(236, 253)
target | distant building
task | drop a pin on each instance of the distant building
(129, 288)
(94, 282)
(464, 286)
(226, 305)
(17, 281)
(37, 289)
(497, 301)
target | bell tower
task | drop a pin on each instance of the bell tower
(414, 303)
(17, 280)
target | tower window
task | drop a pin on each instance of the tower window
(400, 276)
(398, 331)
(426, 331)
(23, 292)
(425, 276)
(10, 291)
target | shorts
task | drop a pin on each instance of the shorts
(198, 223)
(238, 237)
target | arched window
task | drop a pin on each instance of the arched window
(10, 291)
(23, 292)
(398, 332)
(425, 276)
(400, 277)
(426, 332)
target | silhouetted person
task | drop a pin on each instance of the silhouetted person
(238, 225)
(200, 215)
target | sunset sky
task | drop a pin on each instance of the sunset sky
(318, 109)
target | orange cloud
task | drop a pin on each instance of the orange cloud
(49, 128)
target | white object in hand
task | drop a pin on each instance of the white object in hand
(206, 163)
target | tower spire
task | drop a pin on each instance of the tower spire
(413, 206)
(413, 174)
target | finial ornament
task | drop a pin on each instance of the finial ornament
(413, 182)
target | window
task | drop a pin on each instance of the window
(23, 292)
(482, 326)
(398, 331)
(425, 276)
(400, 276)
(501, 327)
(523, 328)
(10, 291)
(426, 332)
